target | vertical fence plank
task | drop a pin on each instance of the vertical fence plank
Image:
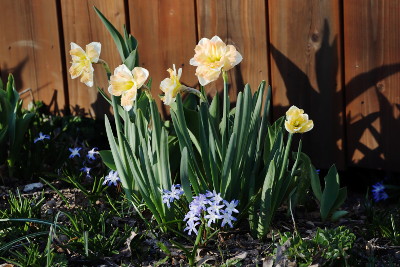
(81, 25)
(244, 25)
(306, 72)
(372, 66)
(165, 30)
(30, 49)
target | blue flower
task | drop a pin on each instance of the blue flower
(227, 218)
(111, 178)
(378, 192)
(87, 170)
(191, 227)
(231, 206)
(169, 196)
(212, 217)
(214, 196)
(91, 153)
(41, 137)
(74, 152)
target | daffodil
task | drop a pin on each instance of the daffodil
(126, 83)
(82, 61)
(297, 121)
(171, 86)
(212, 57)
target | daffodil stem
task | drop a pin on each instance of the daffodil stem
(106, 67)
(117, 123)
(225, 114)
(286, 156)
(195, 92)
(147, 91)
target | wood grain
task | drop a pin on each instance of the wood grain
(81, 25)
(166, 33)
(244, 25)
(372, 75)
(306, 72)
(30, 49)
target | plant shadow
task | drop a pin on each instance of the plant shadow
(327, 104)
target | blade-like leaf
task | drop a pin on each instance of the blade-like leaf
(119, 41)
(184, 173)
(108, 160)
(330, 193)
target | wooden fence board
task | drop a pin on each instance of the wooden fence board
(306, 72)
(30, 49)
(372, 66)
(166, 32)
(244, 25)
(81, 25)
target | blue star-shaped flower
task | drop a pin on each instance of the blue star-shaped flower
(378, 192)
(111, 178)
(87, 170)
(41, 137)
(74, 152)
(91, 153)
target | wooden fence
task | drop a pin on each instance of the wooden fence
(337, 59)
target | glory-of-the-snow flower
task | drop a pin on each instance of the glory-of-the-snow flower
(91, 153)
(74, 152)
(41, 137)
(111, 179)
(378, 192)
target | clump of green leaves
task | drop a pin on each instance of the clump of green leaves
(19, 207)
(14, 124)
(93, 235)
(328, 246)
(31, 255)
(332, 197)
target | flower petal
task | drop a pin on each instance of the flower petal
(93, 51)
(140, 75)
(87, 78)
(121, 81)
(76, 70)
(77, 52)
(128, 98)
(232, 58)
(207, 75)
(216, 39)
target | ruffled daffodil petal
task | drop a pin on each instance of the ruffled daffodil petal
(125, 83)
(171, 86)
(297, 121)
(82, 61)
(212, 57)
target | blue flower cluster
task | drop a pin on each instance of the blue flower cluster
(378, 192)
(209, 206)
(170, 195)
(213, 207)
(75, 152)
